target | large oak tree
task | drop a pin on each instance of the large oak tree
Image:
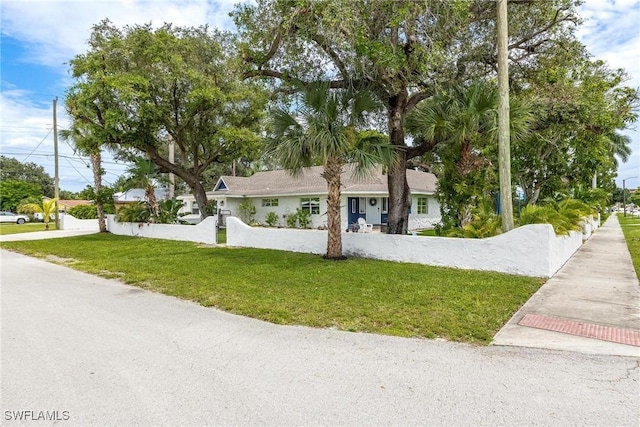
(139, 88)
(404, 50)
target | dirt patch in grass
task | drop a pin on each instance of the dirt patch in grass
(59, 260)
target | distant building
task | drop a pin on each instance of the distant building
(135, 195)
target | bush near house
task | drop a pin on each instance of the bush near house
(271, 219)
(299, 219)
(292, 220)
(565, 216)
(142, 212)
(89, 211)
(247, 211)
(83, 212)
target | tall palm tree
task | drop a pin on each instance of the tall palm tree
(462, 122)
(324, 130)
(87, 145)
(617, 146)
(620, 146)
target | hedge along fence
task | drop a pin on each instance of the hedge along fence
(531, 250)
(203, 232)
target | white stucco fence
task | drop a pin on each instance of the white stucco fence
(530, 250)
(203, 232)
(69, 222)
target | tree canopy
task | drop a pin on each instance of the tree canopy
(138, 89)
(13, 170)
(404, 50)
(579, 108)
(464, 119)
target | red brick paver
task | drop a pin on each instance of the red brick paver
(582, 329)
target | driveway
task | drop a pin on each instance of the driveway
(93, 351)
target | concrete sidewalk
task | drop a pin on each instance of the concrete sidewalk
(596, 290)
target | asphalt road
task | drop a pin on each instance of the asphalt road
(91, 351)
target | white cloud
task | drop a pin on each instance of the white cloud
(611, 32)
(58, 30)
(20, 113)
(54, 31)
(26, 134)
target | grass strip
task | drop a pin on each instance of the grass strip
(29, 227)
(361, 295)
(631, 230)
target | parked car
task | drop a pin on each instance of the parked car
(190, 218)
(12, 217)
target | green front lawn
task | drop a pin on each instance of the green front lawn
(11, 228)
(427, 232)
(631, 229)
(300, 289)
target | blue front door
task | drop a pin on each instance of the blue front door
(354, 210)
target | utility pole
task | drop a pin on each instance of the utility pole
(504, 134)
(624, 198)
(56, 180)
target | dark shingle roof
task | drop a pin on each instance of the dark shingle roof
(310, 181)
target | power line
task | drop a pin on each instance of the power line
(39, 144)
(76, 157)
(79, 173)
(25, 127)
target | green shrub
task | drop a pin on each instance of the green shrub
(304, 218)
(575, 210)
(83, 211)
(168, 211)
(482, 226)
(271, 219)
(247, 211)
(598, 199)
(292, 220)
(135, 212)
(564, 218)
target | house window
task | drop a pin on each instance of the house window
(422, 206)
(310, 204)
(195, 209)
(362, 206)
(385, 205)
(269, 202)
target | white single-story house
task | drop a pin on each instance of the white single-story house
(280, 192)
(138, 195)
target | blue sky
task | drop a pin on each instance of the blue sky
(38, 38)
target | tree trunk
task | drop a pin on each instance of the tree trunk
(531, 192)
(96, 164)
(201, 197)
(399, 196)
(153, 202)
(191, 179)
(332, 174)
